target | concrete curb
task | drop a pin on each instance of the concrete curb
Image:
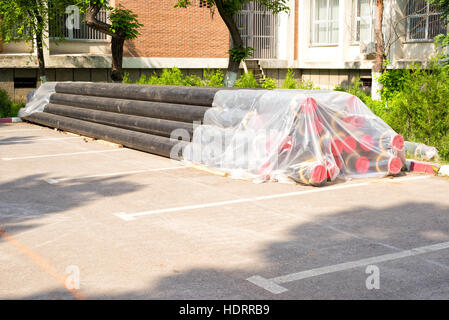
(10, 120)
(444, 170)
(422, 167)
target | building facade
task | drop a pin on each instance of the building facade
(328, 42)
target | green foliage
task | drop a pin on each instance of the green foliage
(290, 81)
(307, 85)
(393, 81)
(5, 104)
(268, 83)
(241, 53)
(213, 78)
(15, 109)
(421, 110)
(415, 104)
(174, 77)
(24, 19)
(247, 80)
(124, 20)
(234, 6)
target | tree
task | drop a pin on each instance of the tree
(228, 9)
(389, 31)
(379, 51)
(124, 26)
(442, 40)
(28, 20)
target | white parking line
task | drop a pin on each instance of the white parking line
(19, 130)
(55, 181)
(273, 285)
(132, 216)
(35, 140)
(61, 154)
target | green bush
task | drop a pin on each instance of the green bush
(247, 80)
(290, 81)
(393, 81)
(268, 83)
(420, 111)
(213, 78)
(307, 85)
(5, 104)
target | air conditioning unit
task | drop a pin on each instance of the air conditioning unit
(367, 47)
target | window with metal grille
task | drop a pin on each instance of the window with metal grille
(423, 21)
(60, 28)
(325, 22)
(364, 13)
(258, 28)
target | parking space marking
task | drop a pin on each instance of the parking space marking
(19, 130)
(273, 285)
(62, 154)
(42, 263)
(34, 140)
(55, 181)
(132, 216)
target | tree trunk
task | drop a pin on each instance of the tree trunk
(40, 57)
(380, 52)
(233, 66)
(117, 59)
(117, 41)
(39, 43)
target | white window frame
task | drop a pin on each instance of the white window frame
(427, 15)
(357, 19)
(328, 22)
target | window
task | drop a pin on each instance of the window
(59, 27)
(258, 29)
(364, 20)
(423, 21)
(325, 22)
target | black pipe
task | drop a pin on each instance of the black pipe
(142, 124)
(136, 140)
(168, 111)
(199, 96)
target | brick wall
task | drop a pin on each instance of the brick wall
(176, 32)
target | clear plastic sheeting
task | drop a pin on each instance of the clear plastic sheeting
(310, 137)
(37, 101)
(420, 151)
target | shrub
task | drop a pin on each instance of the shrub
(171, 77)
(307, 85)
(420, 111)
(290, 81)
(393, 81)
(268, 83)
(5, 104)
(192, 81)
(247, 80)
(213, 78)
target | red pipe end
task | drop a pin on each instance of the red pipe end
(362, 165)
(397, 142)
(319, 173)
(394, 165)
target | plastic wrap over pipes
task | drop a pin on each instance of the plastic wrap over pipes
(37, 101)
(308, 136)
